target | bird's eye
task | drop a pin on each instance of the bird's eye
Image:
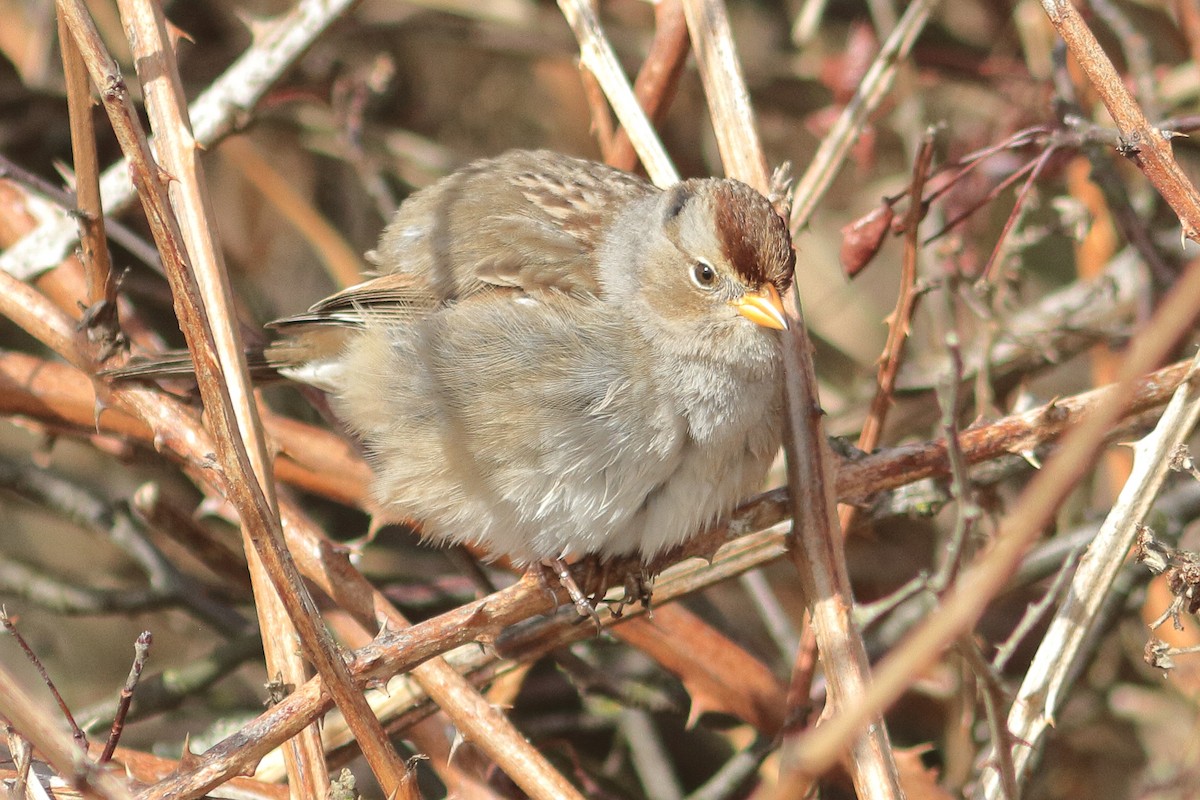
(704, 275)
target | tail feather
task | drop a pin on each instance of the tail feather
(178, 364)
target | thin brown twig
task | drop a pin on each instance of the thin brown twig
(1033, 510)
(993, 693)
(11, 628)
(602, 122)
(983, 201)
(658, 78)
(876, 84)
(145, 28)
(220, 362)
(725, 90)
(141, 650)
(338, 257)
(101, 321)
(899, 322)
(818, 555)
(1018, 210)
(889, 368)
(55, 745)
(218, 110)
(597, 56)
(966, 512)
(1147, 146)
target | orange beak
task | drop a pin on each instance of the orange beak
(762, 308)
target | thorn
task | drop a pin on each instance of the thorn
(98, 407)
(187, 759)
(176, 34)
(66, 173)
(459, 740)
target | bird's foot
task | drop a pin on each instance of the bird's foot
(562, 572)
(639, 586)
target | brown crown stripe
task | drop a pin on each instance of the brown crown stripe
(754, 239)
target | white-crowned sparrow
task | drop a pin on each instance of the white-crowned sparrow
(559, 359)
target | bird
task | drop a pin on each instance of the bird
(557, 360)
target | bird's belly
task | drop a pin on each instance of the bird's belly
(541, 471)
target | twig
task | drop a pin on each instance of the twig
(992, 691)
(649, 757)
(1018, 210)
(597, 56)
(165, 690)
(101, 321)
(222, 108)
(980, 202)
(11, 628)
(21, 755)
(1031, 512)
(141, 650)
(818, 554)
(161, 516)
(658, 78)
(771, 612)
(726, 93)
(841, 137)
(42, 589)
(899, 321)
(91, 512)
(966, 511)
(204, 305)
(121, 234)
(340, 260)
(1044, 687)
(1144, 144)
(728, 782)
(55, 744)
(1035, 612)
(808, 21)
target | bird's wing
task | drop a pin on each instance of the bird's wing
(395, 297)
(529, 221)
(526, 222)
